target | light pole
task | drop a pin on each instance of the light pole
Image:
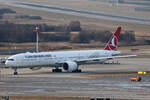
(37, 30)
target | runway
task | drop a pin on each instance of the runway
(80, 12)
(109, 86)
(108, 81)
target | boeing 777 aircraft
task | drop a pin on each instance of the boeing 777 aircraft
(69, 60)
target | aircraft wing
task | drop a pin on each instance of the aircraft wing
(98, 59)
(101, 59)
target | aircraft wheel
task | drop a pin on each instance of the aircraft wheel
(77, 71)
(56, 70)
(15, 73)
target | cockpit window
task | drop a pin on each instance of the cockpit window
(10, 59)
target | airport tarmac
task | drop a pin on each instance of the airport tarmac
(103, 80)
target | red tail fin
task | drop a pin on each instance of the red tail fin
(112, 43)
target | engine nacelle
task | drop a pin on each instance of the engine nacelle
(70, 66)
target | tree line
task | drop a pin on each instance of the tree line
(18, 33)
(5, 10)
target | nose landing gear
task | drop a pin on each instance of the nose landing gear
(15, 71)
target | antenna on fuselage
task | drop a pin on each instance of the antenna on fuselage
(37, 30)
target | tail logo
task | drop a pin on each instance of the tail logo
(114, 41)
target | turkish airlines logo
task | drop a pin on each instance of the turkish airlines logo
(113, 43)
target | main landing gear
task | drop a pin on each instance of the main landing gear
(15, 71)
(60, 70)
(77, 71)
(57, 70)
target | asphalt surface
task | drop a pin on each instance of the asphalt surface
(108, 81)
(79, 12)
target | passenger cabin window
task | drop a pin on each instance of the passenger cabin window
(10, 59)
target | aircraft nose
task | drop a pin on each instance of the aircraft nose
(8, 63)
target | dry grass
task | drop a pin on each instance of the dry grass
(95, 5)
(52, 18)
(53, 46)
(48, 46)
(45, 98)
(49, 98)
(141, 47)
(87, 23)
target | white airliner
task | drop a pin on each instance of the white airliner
(69, 60)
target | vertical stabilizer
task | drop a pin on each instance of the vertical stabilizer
(112, 43)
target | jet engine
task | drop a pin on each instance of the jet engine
(70, 66)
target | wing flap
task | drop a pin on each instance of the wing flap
(103, 58)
